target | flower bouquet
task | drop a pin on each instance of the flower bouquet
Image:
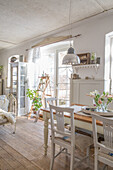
(101, 101)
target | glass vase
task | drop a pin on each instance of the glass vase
(98, 107)
(104, 107)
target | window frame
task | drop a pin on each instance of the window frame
(57, 73)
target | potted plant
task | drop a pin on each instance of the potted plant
(36, 100)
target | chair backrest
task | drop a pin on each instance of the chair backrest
(59, 129)
(50, 100)
(4, 102)
(8, 103)
(107, 145)
(12, 104)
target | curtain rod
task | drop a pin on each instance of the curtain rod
(51, 40)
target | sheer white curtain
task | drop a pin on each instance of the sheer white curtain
(32, 72)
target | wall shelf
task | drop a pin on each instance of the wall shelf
(87, 66)
(96, 66)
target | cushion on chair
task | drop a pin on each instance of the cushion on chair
(105, 155)
(4, 104)
(2, 97)
(3, 120)
(7, 115)
(82, 142)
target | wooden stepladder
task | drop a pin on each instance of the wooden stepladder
(44, 83)
(42, 87)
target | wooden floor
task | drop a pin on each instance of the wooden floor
(24, 150)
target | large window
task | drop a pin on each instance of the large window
(50, 63)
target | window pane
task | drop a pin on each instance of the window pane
(64, 94)
(64, 86)
(60, 58)
(22, 102)
(64, 74)
(63, 102)
(23, 70)
(22, 90)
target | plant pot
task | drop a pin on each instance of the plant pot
(37, 113)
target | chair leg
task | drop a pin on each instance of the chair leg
(60, 148)
(52, 155)
(105, 167)
(14, 128)
(87, 154)
(66, 151)
(96, 160)
(72, 159)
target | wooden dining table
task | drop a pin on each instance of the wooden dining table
(81, 120)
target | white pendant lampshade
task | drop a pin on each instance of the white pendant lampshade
(71, 58)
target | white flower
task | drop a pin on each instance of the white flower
(94, 93)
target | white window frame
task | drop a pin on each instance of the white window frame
(57, 70)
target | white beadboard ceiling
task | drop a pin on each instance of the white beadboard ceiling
(22, 20)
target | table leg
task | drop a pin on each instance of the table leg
(45, 136)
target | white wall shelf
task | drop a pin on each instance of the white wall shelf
(87, 66)
(77, 67)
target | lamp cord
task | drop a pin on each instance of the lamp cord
(70, 25)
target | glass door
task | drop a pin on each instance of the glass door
(63, 81)
(14, 81)
(22, 86)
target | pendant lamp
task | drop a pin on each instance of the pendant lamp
(71, 58)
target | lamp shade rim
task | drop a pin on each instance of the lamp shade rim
(71, 59)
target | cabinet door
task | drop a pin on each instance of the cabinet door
(22, 86)
(80, 88)
(14, 80)
(84, 89)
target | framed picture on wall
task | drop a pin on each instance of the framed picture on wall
(84, 58)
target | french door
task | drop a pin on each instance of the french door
(50, 62)
(63, 74)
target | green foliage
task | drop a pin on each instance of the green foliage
(97, 99)
(1, 68)
(104, 93)
(93, 56)
(36, 99)
(109, 100)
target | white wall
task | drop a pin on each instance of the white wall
(92, 39)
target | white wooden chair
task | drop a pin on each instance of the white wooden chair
(64, 138)
(105, 149)
(50, 100)
(8, 104)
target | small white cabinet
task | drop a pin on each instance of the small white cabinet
(79, 88)
(18, 85)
